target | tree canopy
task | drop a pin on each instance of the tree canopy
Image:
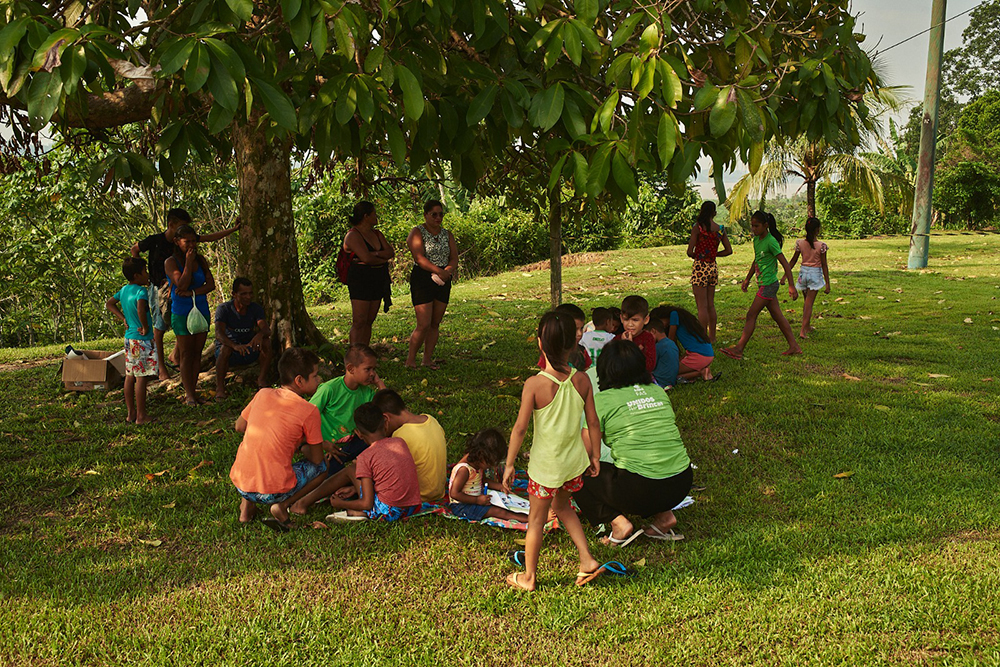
(604, 89)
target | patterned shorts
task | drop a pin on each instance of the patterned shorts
(305, 471)
(537, 490)
(385, 512)
(704, 274)
(140, 358)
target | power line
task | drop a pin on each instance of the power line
(924, 32)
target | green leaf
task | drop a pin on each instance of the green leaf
(290, 9)
(666, 139)
(366, 103)
(320, 37)
(481, 105)
(647, 78)
(624, 31)
(556, 172)
(590, 40)
(413, 96)
(44, 93)
(756, 156)
(300, 28)
(586, 11)
(624, 176)
(73, 68)
(11, 35)
(650, 38)
(196, 71)
(179, 150)
(512, 111)
(222, 86)
(345, 40)
(58, 40)
(753, 122)
(573, 44)
(278, 106)
(242, 8)
(705, 97)
(723, 113)
(166, 171)
(573, 119)
(374, 58)
(542, 34)
(176, 56)
(600, 169)
(549, 106)
(670, 84)
(397, 144)
(347, 102)
(227, 56)
(580, 172)
(605, 115)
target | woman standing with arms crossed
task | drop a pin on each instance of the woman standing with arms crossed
(368, 276)
(435, 258)
(190, 280)
(703, 248)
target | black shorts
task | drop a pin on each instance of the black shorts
(369, 283)
(617, 491)
(424, 290)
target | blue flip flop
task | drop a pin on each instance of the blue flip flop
(516, 557)
(611, 567)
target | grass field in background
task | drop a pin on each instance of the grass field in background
(783, 563)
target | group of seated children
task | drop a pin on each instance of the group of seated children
(361, 446)
(659, 333)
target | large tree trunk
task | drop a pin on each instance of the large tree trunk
(811, 198)
(555, 246)
(269, 254)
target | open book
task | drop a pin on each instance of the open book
(508, 501)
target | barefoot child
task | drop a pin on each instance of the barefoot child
(483, 451)
(558, 399)
(130, 304)
(384, 476)
(767, 251)
(667, 355)
(340, 397)
(275, 425)
(814, 274)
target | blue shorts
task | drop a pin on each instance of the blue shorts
(236, 359)
(810, 278)
(305, 471)
(389, 513)
(469, 511)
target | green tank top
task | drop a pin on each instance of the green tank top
(558, 453)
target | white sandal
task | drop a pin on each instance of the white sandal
(657, 534)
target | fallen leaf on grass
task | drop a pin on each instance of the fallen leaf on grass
(76, 424)
(640, 562)
(91, 472)
(492, 342)
(845, 474)
(852, 377)
(319, 525)
(883, 408)
(493, 313)
(205, 423)
(201, 465)
(151, 476)
(169, 506)
(423, 383)
(938, 375)
(921, 384)
(881, 298)
(968, 320)
(521, 542)
(863, 317)
(69, 490)
(152, 543)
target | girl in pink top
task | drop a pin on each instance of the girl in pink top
(703, 248)
(814, 274)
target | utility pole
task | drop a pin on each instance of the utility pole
(920, 231)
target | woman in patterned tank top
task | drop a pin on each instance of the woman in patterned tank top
(703, 248)
(435, 258)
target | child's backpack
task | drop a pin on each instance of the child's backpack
(344, 258)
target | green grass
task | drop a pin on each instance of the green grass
(783, 563)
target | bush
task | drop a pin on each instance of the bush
(967, 195)
(846, 216)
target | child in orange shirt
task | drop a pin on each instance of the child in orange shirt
(275, 425)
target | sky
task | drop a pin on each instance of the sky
(885, 22)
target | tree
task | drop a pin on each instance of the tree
(599, 89)
(974, 68)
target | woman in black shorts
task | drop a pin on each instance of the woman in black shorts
(368, 277)
(435, 258)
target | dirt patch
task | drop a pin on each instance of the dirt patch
(579, 259)
(30, 363)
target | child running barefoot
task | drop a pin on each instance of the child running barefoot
(465, 489)
(557, 398)
(767, 252)
(814, 274)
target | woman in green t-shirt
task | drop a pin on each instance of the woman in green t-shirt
(650, 472)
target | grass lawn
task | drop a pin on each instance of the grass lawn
(120, 545)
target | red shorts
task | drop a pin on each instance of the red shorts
(537, 490)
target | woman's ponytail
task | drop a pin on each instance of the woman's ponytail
(772, 227)
(812, 230)
(705, 215)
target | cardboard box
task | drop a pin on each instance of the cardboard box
(94, 372)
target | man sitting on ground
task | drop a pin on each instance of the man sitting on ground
(242, 336)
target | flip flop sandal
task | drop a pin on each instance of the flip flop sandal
(657, 534)
(516, 557)
(715, 377)
(514, 583)
(623, 542)
(612, 567)
(344, 516)
(276, 526)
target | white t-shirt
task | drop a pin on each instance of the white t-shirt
(593, 341)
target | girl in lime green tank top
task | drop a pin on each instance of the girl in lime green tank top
(557, 399)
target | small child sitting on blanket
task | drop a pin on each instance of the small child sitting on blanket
(465, 489)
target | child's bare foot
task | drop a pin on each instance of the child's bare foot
(164, 376)
(733, 353)
(803, 335)
(144, 419)
(430, 365)
(279, 513)
(248, 511)
(792, 350)
(221, 395)
(130, 419)
(411, 365)
(297, 508)
(521, 581)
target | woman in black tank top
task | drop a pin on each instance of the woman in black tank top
(368, 277)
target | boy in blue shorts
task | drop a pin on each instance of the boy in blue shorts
(275, 425)
(130, 304)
